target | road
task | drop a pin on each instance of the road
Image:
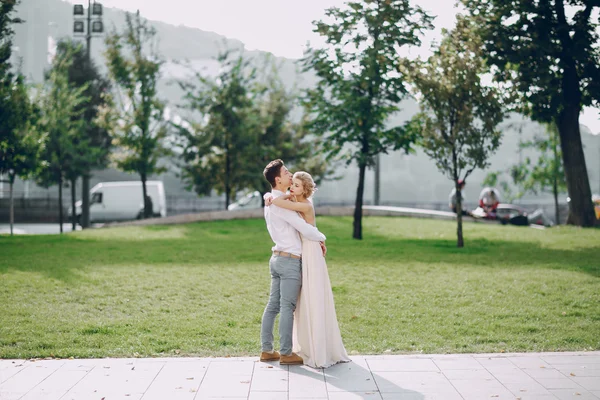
(35, 229)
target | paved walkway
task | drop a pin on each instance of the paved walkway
(410, 377)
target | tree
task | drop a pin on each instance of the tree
(18, 147)
(361, 82)
(93, 141)
(7, 20)
(137, 120)
(94, 155)
(60, 121)
(546, 174)
(282, 136)
(239, 122)
(459, 115)
(217, 144)
(551, 62)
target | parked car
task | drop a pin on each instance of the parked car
(122, 201)
(250, 201)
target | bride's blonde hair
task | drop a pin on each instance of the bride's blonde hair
(308, 184)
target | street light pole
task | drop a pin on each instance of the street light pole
(85, 179)
(96, 27)
(89, 31)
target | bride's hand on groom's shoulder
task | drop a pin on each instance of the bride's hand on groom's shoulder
(268, 198)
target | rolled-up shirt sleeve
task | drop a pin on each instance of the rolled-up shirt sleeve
(291, 217)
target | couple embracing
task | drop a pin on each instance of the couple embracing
(300, 287)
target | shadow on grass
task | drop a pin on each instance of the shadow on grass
(235, 244)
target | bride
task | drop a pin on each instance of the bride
(317, 337)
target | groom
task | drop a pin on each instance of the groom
(286, 267)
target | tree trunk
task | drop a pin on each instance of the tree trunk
(60, 203)
(556, 209)
(85, 202)
(578, 184)
(556, 172)
(460, 243)
(73, 209)
(357, 234)
(227, 179)
(145, 202)
(12, 205)
(376, 197)
(459, 221)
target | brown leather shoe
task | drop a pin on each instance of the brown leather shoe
(273, 356)
(292, 359)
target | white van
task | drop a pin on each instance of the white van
(122, 201)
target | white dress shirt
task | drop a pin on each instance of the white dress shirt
(283, 226)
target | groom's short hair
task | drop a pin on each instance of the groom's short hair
(272, 171)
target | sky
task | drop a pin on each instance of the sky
(282, 27)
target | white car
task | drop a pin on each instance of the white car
(248, 202)
(122, 201)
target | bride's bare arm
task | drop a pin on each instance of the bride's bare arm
(290, 205)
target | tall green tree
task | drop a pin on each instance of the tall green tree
(137, 117)
(18, 147)
(93, 141)
(360, 82)
(459, 114)
(551, 61)
(284, 136)
(7, 21)
(237, 123)
(60, 121)
(94, 155)
(218, 143)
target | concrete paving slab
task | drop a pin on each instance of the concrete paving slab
(28, 378)
(403, 365)
(350, 377)
(482, 389)
(468, 363)
(588, 382)
(9, 368)
(306, 383)
(579, 369)
(177, 380)
(569, 394)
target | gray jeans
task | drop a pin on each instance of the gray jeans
(286, 280)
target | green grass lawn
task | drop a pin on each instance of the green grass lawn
(200, 289)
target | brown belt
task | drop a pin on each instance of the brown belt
(285, 254)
